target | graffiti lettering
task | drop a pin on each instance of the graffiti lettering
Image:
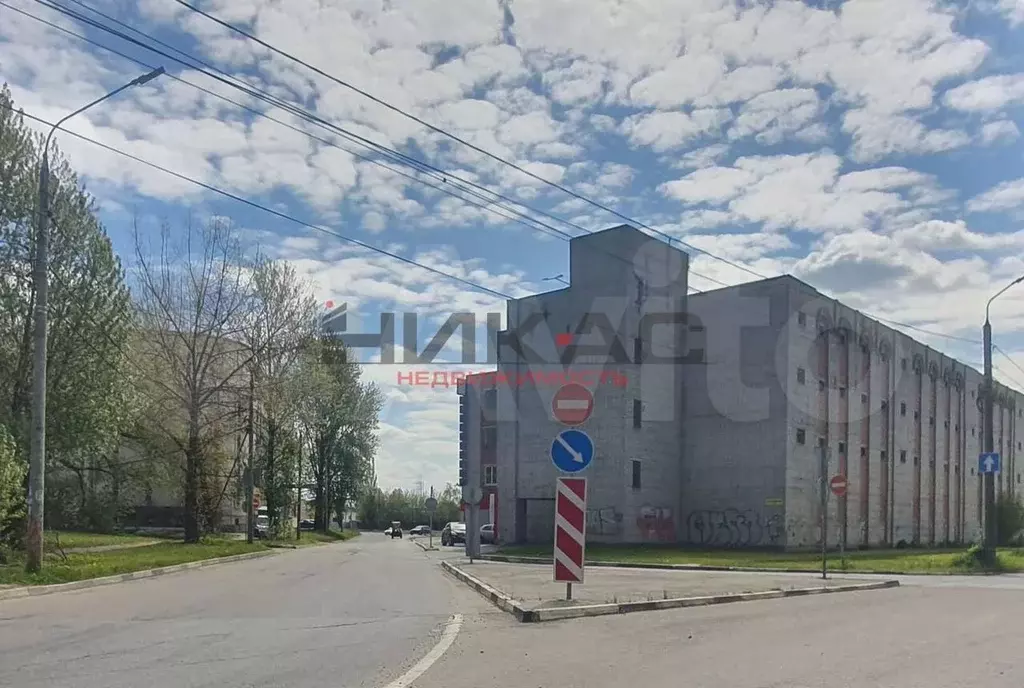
(656, 523)
(733, 528)
(604, 521)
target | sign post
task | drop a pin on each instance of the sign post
(431, 508)
(838, 485)
(824, 511)
(570, 531)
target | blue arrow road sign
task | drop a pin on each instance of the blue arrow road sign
(988, 463)
(572, 451)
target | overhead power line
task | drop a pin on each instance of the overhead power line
(271, 211)
(454, 137)
(499, 201)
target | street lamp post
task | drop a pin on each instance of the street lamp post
(988, 432)
(40, 283)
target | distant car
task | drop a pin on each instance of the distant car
(306, 524)
(262, 529)
(420, 530)
(487, 533)
(396, 530)
(453, 534)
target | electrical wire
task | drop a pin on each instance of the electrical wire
(271, 211)
(501, 201)
(453, 137)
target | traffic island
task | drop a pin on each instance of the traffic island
(528, 593)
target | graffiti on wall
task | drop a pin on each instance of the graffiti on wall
(733, 528)
(604, 521)
(656, 523)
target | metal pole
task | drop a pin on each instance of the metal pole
(40, 285)
(430, 541)
(824, 512)
(250, 513)
(568, 591)
(990, 534)
(298, 491)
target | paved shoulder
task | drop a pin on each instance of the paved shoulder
(353, 614)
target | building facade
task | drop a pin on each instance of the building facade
(717, 415)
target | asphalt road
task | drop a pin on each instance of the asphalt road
(353, 614)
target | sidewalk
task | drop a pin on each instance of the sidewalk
(532, 587)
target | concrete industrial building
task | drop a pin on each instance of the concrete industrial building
(719, 446)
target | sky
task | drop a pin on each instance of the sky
(871, 148)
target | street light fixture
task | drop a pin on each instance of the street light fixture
(40, 282)
(988, 439)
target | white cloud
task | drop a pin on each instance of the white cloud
(1014, 11)
(877, 135)
(1007, 195)
(1000, 131)
(774, 115)
(990, 93)
(664, 131)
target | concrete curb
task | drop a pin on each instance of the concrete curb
(423, 547)
(507, 604)
(33, 590)
(711, 567)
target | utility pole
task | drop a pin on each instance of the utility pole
(824, 511)
(298, 492)
(41, 288)
(991, 534)
(250, 516)
(988, 440)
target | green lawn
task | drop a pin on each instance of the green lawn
(73, 540)
(98, 564)
(315, 538)
(903, 561)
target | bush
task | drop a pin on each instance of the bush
(12, 494)
(1009, 520)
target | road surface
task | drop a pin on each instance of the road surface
(353, 614)
(361, 614)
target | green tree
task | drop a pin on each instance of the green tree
(12, 495)
(1009, 520)
(90, 399)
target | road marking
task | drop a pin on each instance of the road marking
(447, 638)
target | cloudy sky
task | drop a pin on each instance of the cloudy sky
(872, 148)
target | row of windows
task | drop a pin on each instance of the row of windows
(801, 438)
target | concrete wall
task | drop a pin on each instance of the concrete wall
(618, 277)
(734, 459)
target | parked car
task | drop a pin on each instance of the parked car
(487, 533)
(420, 530)
(306, 524)
(453, 533)
(262, 529)
(396, 529)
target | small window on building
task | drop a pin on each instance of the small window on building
(883, 456)
(489, 437)
(821, 442)
(917, 460)
(821, 385)
(638, 410)
(885, 405)
(1018, 445)
(801, 319)
(801, 436)
(945, 424)
(903, 455)
(903, 408)
(636, 474)
(917, 414)
(801, 375)
(863, 452)
(903, 363)
(973, 431)
(1018, 478)
(931, 420)
(842, 392)
(863, 398)
(972, 394)
(972, 472)
(842, 447)
(638, 350)
(956, 428)
(490, 474)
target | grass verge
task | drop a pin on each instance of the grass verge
(75, 540)
(310, 538)
(881, 561)
(99, 564)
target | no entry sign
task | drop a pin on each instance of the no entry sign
(572, 404)
(570, 529)
(838, 485)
